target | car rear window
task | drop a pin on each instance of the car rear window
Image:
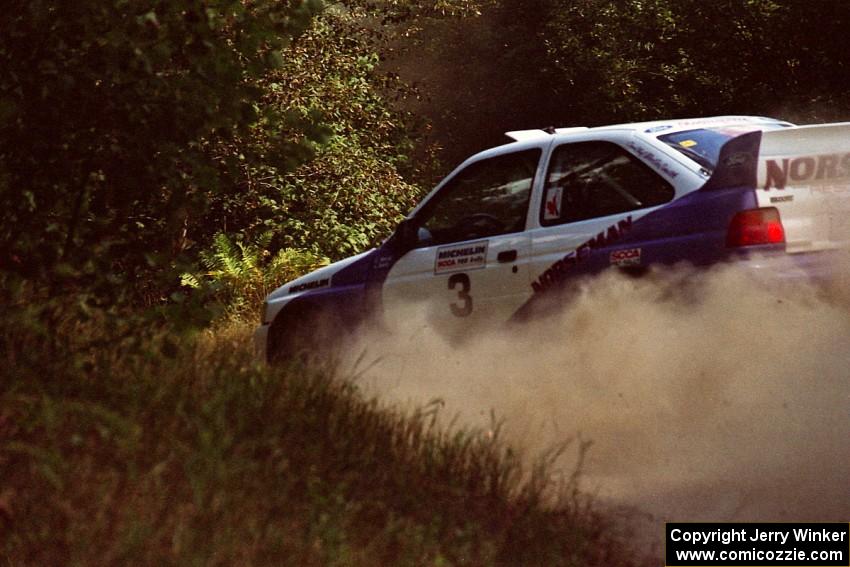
(595, 179)
(703, 145)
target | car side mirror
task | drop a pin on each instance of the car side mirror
(406, 234)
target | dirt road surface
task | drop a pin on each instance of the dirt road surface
(707, 397)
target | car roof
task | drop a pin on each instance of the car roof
(650, 128)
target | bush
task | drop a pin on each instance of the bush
(111, 115)
(240, 275)
(196, 455)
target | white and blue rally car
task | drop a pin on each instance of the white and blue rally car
(506, 230)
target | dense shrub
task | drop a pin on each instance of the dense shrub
(193, 454)
(110, 116)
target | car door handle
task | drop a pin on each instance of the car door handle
(506, 256)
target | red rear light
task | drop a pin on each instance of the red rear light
(755, 226)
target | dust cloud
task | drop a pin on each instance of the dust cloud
(708, 396)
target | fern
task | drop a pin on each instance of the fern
(241, 274)
(190, 280)
(224, 259)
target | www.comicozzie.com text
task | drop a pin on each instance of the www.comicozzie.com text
(781, 536)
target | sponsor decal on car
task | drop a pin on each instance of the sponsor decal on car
(783, 199)
(738, 159)
(467, 256)
(383, 262)
(654, 160)
(805, 168)
(552, 209)
(309, 285)
(560, 269)
(656, 129)
(625, 257)
(715, 120)
(830, 189)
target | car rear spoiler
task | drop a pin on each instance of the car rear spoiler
(804, 155)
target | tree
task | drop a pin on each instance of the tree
(111, 115)
(648, 59)
(369, 171)
(593, 62)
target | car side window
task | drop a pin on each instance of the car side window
(488, 198)
(595, 179)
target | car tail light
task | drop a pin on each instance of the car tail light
(755, 226)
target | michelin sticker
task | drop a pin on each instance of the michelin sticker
(324, 282)
(467, 256)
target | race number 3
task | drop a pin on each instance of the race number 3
(464, 307)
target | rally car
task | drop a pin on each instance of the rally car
(507, 229)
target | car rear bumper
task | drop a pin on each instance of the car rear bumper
(823, 267)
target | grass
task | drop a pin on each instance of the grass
(201, 456)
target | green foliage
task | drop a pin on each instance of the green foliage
(594, 62)
(205, 457)
(132, 134)
(352, 193)
(110, 117)
(408, 13)
(350, 198)
(656, 58)
(239, 275)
